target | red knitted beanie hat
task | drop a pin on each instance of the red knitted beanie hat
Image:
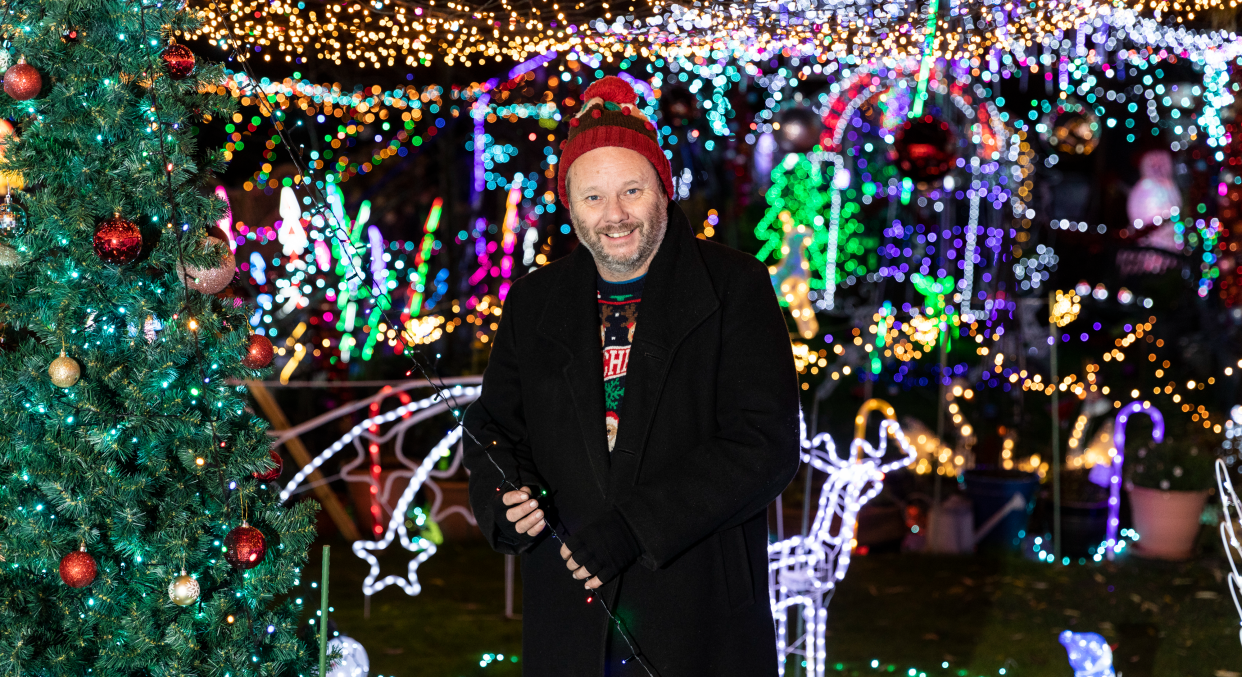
(609, 117)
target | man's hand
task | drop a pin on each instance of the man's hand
(526, 515)
(580, 572)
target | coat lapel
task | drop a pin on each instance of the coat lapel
(677, 297)
(571, 318)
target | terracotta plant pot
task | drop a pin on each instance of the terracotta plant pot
(1167, 521)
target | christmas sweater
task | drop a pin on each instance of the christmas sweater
(618, 312)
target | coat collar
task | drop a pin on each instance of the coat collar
(677, 296)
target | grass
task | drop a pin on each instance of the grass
(441, 632)
(981, 614)
(977, 614)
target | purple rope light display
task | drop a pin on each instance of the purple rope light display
(1114, 480)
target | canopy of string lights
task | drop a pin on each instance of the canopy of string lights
(380, 33)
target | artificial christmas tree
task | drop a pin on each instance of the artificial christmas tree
(125, 471)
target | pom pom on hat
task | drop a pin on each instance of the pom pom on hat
(611, 88)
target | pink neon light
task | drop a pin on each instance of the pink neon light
(323, 255)
(226, 222)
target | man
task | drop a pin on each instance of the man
(641, 401)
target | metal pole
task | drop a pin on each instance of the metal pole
(323, 616)
(1056, 433)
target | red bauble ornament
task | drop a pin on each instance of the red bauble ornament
(22, 81)
(117, 240)
(925, 149)
(274, 472)
(77, 569)
(245, 547)
(178, 61)
(259, 355)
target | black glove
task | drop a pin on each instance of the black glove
(605, 547)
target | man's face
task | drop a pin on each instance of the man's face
(618, 209)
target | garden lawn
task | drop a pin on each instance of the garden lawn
(976, 614)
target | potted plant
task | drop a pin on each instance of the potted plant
(1168, 485)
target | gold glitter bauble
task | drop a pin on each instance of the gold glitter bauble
(64, 371)
(183, 590)
(8, 256)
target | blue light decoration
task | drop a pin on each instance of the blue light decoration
(1089, 654)
(258, 270)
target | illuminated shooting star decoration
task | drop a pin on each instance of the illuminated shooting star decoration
(804, 570)
(410, 415)
(1114, 479)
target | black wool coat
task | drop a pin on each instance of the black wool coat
(708, 437)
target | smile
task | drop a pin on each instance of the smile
(617, 236)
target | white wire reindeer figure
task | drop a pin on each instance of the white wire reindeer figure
(804, 570)
(1233, 549)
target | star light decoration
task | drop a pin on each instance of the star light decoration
(410, 415)
(803, 570)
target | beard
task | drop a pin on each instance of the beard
(651, 228)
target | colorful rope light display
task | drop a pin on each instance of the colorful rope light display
(1084, 77)
(838, 249)
(418, 280)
